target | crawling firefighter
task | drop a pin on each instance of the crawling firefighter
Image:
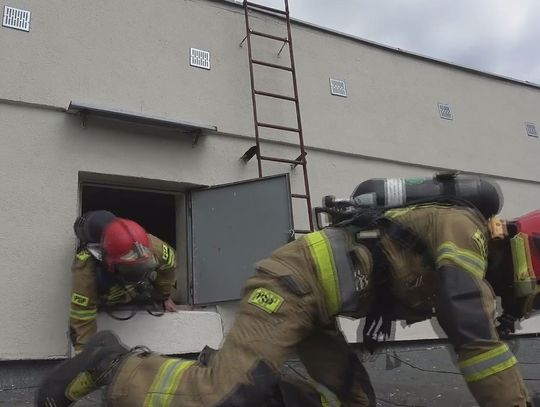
(416, 258)
(117, 262)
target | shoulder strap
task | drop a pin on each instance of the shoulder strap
(404, 236)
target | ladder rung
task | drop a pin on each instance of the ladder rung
(282, 160)
(285, 68)
(299, 196)
(272, 37)
(275, 126)
(254, 6)
(275, 95)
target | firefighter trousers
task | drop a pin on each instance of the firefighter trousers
(282, 313)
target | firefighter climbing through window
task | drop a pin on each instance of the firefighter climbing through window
(117, 262)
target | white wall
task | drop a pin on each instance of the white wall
(133, 55)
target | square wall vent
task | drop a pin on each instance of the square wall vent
(531, 129)
(338, 87)
(16, 18)
(200, 58)
(445, 111)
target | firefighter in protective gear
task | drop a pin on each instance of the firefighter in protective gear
(417, 262)
(117, 262)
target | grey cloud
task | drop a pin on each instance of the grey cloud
(497, 36)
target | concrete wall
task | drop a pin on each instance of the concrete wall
(134, 55)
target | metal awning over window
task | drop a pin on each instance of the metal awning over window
(85, 109)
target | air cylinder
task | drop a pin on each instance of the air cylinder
(480, 192)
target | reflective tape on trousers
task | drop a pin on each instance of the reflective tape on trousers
(166, 382)
(487, 364)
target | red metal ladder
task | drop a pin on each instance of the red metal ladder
(256, 150)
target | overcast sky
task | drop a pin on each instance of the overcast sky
(496, 36)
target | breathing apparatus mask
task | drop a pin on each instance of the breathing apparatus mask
(136, 273)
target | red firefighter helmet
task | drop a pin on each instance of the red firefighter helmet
(525, 245)
(126, 248)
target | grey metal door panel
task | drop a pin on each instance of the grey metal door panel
(232, 227)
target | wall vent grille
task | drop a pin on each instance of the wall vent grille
(200, 58)
(338, 87)
(16, 18)
(445, 111)
(531, 129)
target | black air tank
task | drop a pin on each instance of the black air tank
(484, 194)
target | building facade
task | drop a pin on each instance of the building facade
(170, 127)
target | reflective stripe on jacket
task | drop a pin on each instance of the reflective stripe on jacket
(340, 268)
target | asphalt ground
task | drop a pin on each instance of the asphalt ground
(403, 374)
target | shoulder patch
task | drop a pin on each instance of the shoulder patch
(266, 300)
(80, 299)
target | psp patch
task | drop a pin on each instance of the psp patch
(266, 300)
(80, 299)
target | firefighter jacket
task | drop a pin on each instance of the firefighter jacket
(93, 286)
(435, 269)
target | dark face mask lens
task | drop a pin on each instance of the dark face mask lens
(134, 273)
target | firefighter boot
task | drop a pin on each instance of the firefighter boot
(74, 378)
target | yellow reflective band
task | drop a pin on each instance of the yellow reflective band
(80, 299)
(266, 300)
(115, 296)
(83, 255)
(395, 213)
(328, 398)
(480, 241)
(165, 282)
(83, 315)
(487, 363)
(152, 396)
(521, 256)
(490, 371)
(80, 386)
(499, 350)
(116, 292)
(165, 252)
(175, 381)
(167, 255)
(321, 251)
(166, 382)
(172, 259)
(466, 259)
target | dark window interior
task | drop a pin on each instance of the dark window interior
(156, 212)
